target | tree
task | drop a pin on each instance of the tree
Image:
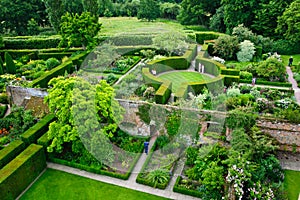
(197, 12)
(149, 10)
(55, 10)
(10, 65)
(169, 10)
(85, 114)
(226, 46)
(15, 15)
(91, 6)
(74, 6)
(289, 22)
(238, 12)
(105, 7)
(171, 42)
(265, 20)
(217, 21)
(76, 28)
(1, 42)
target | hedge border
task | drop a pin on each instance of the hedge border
(9, 152)
(59, 70)
(125, 71)
(21, 171)
(37, 130)
(183, 190)
(279, 84)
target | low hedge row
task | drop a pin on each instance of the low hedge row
(10, 152)
(163, 93)
(228, 80)
(59, 56)
(279, 84)
(182, 92)
(39, 53)
(59, 70)
(21, 171)
(191, 53)
(132, 50)
(31, 42)
(202, 36)
(231, 72)
(184, 190)
(36, 131)
(67, 66)
(96, 170)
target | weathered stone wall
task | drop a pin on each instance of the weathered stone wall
(20, 96)
(288, 135)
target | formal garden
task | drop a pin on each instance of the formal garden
(85, 85)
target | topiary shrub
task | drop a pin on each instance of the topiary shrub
(246, 75)
(10, 65)
(226, 46)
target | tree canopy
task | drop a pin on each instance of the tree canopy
(149, 10)
(82, 29)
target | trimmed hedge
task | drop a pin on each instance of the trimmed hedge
(21, 171)
(59, 70)
(31, 42)
(10, 152)
(150, 79)
(59, 56)
(163, 93)
(228, 80)
(211, 67)
(184, 190)
(279, 84)
(96, 170)
(67, 66)
(167, 64)
(132, 50)
(202, 36)
(36, 131)
(197, 87)
(44, 141)
(232, 72)
(182, 92)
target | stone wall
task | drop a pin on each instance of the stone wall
(20, 96)
(288, 135)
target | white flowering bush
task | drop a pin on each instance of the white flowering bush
(233, 92)
(261, 192)
(247, 51)
(283, 103)
(218, 59)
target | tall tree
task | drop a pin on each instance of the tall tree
(238, 12)
(74, 6)
(85, 114)
(289, 22)
(55, 10)
(149, 10)
(90, 6)
(265, 20)
(15, 15)
(197, 11)
(82, 28)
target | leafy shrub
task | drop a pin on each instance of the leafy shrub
(3, 98)
(191, 155)
(173, 123)
(158, 176)
(246, 75)
(111, 78)
(247, 51)
(233, 92)
(271, 69)
(292, 115)
(243, 33)
(226, 46)
(3, 110)
(51, 63)
(162, 141)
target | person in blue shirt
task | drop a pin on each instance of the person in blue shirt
(146, 146)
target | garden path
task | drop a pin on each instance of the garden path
(294, 84)
(120, 79)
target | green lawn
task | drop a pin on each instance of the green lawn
(114, 25)
(178, 78)
(292, 184)
(285, 59)
(58, 185)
